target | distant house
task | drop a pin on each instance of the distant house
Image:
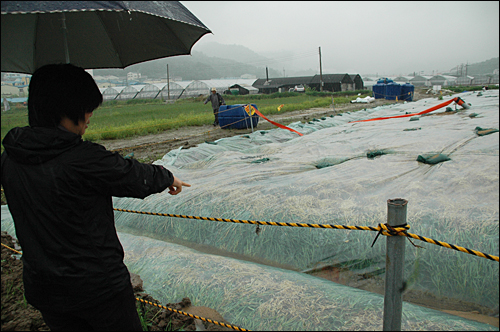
(280, 84)
(333, 82)
(133, 76)
(358, 82)
(244, 89)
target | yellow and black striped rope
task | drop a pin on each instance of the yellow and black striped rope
(382, 229)
(14, 250)
(454, 247)
(163, 307)
(237, 328)
(271, 223)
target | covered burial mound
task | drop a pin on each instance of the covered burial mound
(340, 172)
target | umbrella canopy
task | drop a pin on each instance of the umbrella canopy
(94, 34)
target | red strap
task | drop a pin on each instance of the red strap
(456, 99)
(277, 124)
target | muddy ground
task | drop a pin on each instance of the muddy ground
(18, 315)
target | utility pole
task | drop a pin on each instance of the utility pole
(168, 84)
(320, 72)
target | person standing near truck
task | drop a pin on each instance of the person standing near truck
(217, 101)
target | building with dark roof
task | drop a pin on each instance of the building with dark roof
(357, 81)
(280, 84)
(331, 82)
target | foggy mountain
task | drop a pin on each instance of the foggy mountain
(209, 61)
(213, 60)
(233, 62)
(278, 60)
(481, 68)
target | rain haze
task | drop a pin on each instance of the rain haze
(391, 38)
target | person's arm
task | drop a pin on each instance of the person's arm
(111, 173)
(176, 187)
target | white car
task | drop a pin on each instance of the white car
(298, 88)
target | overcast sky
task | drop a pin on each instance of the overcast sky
(389, 38)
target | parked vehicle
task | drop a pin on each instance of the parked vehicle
(298, 88)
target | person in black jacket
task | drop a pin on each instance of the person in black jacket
(59, 191)
(216, 99)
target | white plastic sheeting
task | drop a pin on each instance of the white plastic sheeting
(325, 176)
(365, 100)
(264, 298)
(259, 297)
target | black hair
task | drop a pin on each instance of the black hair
(61, 90)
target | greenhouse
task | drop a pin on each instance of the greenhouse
(342, 171)
(112, 92)
(203, 87)
(131, 92)
(196, 88)
(160, 91)
(170, 92)
(151, 91)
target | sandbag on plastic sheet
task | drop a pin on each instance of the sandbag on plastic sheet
(485, 131)
(433, 159)
(259, 297)
(328, 177)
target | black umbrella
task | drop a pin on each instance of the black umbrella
(94, 34)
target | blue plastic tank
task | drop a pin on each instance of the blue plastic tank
(407, 91)
(379, 90)
(235, 117)
(385, 80)
(393, 91)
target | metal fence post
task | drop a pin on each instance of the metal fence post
(251, 116)
(394, 263)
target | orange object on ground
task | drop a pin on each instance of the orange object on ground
(277, 124)
(458, 100)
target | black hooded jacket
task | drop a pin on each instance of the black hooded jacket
(59, 191)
